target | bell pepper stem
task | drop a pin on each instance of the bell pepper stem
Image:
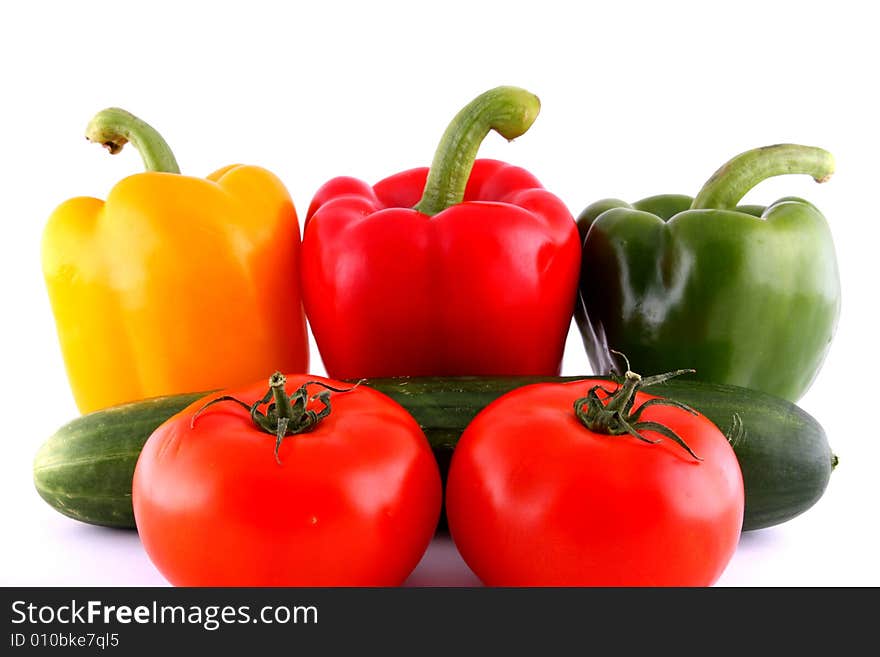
(733, 180)
(114, 127)
(510, 111)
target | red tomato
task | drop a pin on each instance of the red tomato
(534, 498)
(353, 502)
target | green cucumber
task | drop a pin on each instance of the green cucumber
(783, 452)
(85, 469)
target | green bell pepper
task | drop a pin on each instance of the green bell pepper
(746, 295)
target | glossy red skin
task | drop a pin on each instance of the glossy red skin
(536, 499)
(486, 287)
(355, 502)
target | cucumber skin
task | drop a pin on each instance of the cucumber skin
(85, 469)
(783, 451)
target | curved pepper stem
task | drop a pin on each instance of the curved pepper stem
(734, 179)
(510, 111)
(113, 128)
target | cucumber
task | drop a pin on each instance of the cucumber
(783, 452)
(85, 469)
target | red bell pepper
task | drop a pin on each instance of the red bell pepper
(470, 268)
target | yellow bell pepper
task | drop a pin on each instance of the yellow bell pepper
(174, 283)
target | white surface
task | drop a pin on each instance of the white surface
(638, 99)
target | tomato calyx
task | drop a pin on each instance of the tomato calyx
(614, 415)
(285, 415)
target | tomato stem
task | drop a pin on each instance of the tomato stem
(285, 415)
(614, 415)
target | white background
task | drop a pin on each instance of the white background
(637, 99)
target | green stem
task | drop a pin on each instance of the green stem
(283, 407)
(625, 394)
(114, 127)
(510, 111)
(734, 179)
(616, 416)
(289, 415)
